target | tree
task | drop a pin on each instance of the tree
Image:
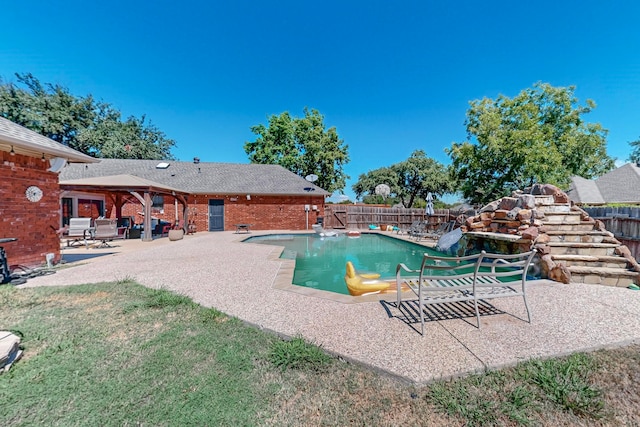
(410, 180)
(111, 138)
(539, 136)
(93, 128)
(634, 157)
(48, 109)
(365, 187)
(303, 146)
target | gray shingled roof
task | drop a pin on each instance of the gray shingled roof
(585, 191)
(621, 185)
(203, 177)
(28, 142)
(125, 181)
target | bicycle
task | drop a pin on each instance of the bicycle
(20, 273)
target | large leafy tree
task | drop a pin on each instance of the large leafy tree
(410, 180)
(539, 136)
(82, 123)
(365, 187)
(302, 145)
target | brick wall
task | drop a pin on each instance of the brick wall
(271, 212)
(28, 221)
(263, 212)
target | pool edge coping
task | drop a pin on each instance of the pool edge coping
(283, 279)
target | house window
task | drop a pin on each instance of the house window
(90, 208)
(157, 204)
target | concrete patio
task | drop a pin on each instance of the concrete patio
(250, 282)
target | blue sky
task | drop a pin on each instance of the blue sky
(392, 77)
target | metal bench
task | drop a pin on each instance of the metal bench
(471, 278)
(245, 228)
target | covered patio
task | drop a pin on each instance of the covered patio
(120, 188)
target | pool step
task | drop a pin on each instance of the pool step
(289, 254)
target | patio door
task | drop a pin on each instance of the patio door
(67, 210)
(216, 215)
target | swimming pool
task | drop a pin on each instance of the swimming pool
(321, 261)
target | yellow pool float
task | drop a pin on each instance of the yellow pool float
(362, 284)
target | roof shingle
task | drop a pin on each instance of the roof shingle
(203, 177)
(621, 185)
(30, 142)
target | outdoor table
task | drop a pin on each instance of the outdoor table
(4, 264)
(243, 227)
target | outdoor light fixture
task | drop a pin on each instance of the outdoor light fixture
(42, 159)
(248, 196)
(13, 153)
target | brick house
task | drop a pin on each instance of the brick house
(220, 195)
(30, 193)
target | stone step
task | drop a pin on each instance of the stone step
(603, 276)
(553, 208)
(578, 236)
(582, 226)
(570, 248)
(563, 218)
(592, 260)
(544, 200)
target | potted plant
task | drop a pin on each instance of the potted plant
(177, 234)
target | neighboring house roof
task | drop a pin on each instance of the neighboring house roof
(203, 177)
(30, 143)
(585, 192)
(621, 185)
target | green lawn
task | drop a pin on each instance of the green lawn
(121, 354)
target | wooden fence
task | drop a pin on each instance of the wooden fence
(359, 217)
(623, 222)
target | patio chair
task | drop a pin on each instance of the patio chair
(165, 229)
(322, 232)
(443, 228)
(417, 228)
(412, 229)
(106, 230)
(79, 231)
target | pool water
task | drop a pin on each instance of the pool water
(321, 261)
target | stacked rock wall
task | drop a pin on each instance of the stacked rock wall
(517, 215)
(523, 217)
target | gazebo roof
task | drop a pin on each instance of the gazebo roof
(121, 182)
